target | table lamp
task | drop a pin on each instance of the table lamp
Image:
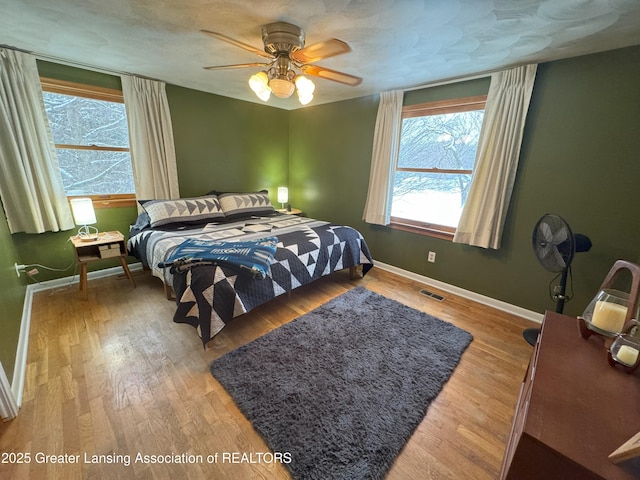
(84, 215)
(283, 196)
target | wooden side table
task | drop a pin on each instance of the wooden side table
(574, 410)
(293, 211)
(106, 245)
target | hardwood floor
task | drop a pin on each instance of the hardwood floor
(113, 376)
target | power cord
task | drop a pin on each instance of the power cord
(552, 288)
(31, 269)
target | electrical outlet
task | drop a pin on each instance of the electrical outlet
(431, 257)
(19, 268)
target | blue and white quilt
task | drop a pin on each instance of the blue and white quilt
(250, 257)
(209, 294)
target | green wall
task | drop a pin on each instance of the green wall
(12, 292)
(227, 145)
(578, 159)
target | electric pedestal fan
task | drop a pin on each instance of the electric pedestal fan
(554, 245)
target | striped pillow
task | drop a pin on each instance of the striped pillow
(184, 211)
(239, 205)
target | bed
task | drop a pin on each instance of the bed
(211, 292)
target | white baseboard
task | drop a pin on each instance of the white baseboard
(476, 297)
(20, 368)
(8, 405)
(75, 279)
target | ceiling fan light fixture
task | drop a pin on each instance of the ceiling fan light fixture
(305, 86)
(305, 99)
(305, 89)
(259, 83)
(281, 87)
(284, 46)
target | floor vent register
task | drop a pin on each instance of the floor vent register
(435, 296)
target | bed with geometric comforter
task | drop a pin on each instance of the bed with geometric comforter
(210, 294)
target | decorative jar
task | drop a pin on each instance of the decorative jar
(625, 349)
(607, 312)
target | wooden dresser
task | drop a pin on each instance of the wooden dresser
(574, 410)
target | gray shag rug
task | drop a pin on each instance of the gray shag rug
(342, 388)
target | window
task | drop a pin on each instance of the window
(90, 131)
(438, 144)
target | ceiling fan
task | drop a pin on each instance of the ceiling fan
(285, 50)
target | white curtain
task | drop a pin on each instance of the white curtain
(153, 156)
(386, 143)
(30, 181)
(485, 210)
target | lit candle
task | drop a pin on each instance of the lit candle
(628, 355)
(609, 316)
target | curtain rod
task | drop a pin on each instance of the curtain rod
(86, 66)
(486, 73)
(71, 63)
(450, 80)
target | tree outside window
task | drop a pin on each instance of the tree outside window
(438, 145)
(91, 136)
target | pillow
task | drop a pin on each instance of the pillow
(184, 211)
(142, 222)
(238, 205)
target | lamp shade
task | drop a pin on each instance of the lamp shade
(281, 87)
(305, 99)
(305, 88)
(283, 194)
(83, 213)
(259, 83)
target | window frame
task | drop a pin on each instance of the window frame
(455, 105)
(65, 87)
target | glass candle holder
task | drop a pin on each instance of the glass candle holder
(625, 350)
(607, 312)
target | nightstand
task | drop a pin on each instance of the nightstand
(106, 245)
(293, 211)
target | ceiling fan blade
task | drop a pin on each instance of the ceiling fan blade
(237, 43)
(332, 75)
(321, 50)
(239, 65)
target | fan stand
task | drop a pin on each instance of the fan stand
(531, 334)
(634, 269)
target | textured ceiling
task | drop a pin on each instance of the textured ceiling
(395, 43)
